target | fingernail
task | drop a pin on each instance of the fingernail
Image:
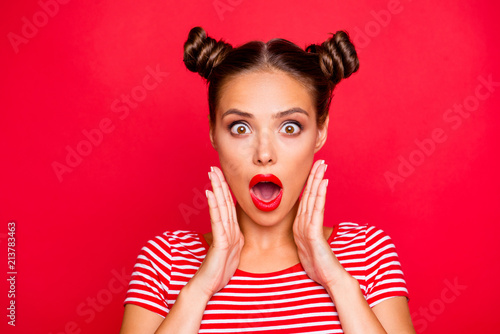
(211, 168)
(326, 183)
(326, 166)
(209, 176)
(206, 193)
(322, 162)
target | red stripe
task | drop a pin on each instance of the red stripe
(296, 303)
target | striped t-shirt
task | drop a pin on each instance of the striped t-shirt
(286, 301)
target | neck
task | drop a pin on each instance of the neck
(267, 235)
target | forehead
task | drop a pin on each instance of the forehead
(266, 91)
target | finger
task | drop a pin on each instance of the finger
(215, 220)
(319, 205)
(225, 186)
(227, 197)
(318, 177)
(305, 193)
(304, 217)
(307, 190)
(219, 197)
(235, 225)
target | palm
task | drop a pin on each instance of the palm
(224, 254)
(314, 252)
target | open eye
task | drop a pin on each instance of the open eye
(291, 128)
(239, 128)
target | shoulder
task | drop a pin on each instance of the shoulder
(173, 240)
(346, 228)
(354, 233)
(176, 237)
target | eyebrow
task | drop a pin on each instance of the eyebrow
(280, 114)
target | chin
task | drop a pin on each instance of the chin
(267, 218)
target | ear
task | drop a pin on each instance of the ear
(322, 134)
(212, 138)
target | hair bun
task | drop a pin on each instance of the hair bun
(337, 56)
(203, 53)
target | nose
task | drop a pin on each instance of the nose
(265, 152)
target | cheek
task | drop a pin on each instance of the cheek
(302, 167)
(298, 162)
(234, 164)
(233, 157)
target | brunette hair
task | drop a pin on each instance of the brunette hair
(319, 67)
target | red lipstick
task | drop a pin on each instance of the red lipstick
(266, 196)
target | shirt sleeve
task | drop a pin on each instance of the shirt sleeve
(148, 286)
(384, 275)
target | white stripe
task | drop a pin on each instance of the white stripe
(362, 268)
(133, 299)
(181, 258)
(161, 248)
(198, 253)
(387, 281)
(389, 272)
(158, 270)
(180, 249)
(187, 244)
(187, 267)
(380, 250)
(266, 328)
(268, 302)
(346, 242)
(387, 290)
(369, 230)
(264, 286)
(251, 320)
(269, 310)
(381, 300)
(160, 260)
(383, 257)
(143, 292)
(155, 288)
(178, 273)
(322, 332)
(375, 245)
(351, 253)
(181, 253)
(145, 267)
(247, 278)
(359, 260)
(264, 294)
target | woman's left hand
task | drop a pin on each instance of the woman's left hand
(314, 252)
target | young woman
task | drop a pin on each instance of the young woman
(268, 265)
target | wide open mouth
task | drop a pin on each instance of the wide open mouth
(266, 191)
(266, 188)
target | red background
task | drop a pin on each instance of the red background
(78, 232)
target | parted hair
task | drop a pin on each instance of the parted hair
(319, 67)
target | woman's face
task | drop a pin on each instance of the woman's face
(266, 124)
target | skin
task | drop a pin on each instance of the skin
(266, 147)
(263, 141)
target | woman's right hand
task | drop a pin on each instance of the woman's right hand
(223, 255)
